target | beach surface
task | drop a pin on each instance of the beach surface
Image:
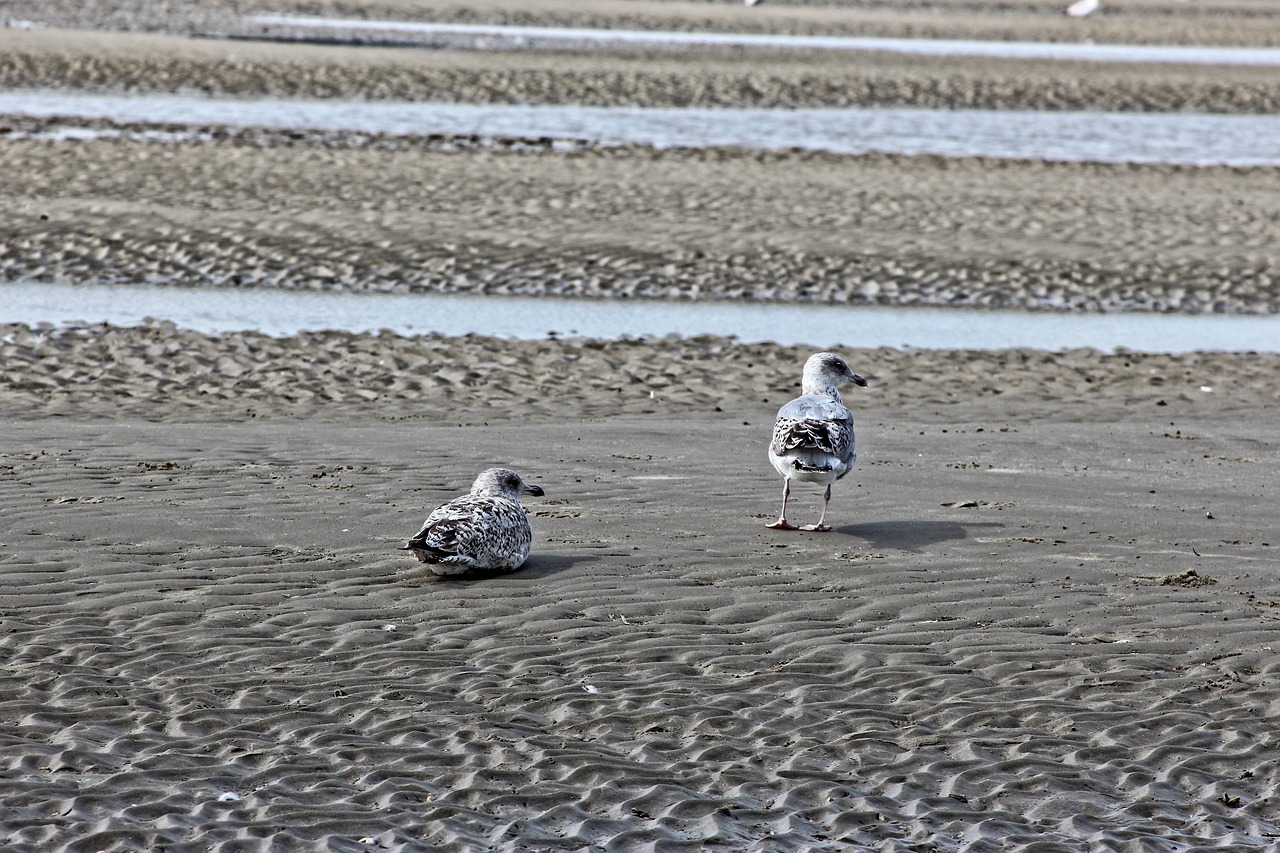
(285, 208)
(1046, 617)
(1044, 620)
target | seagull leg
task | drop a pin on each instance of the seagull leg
(782, 523)
(820, 527)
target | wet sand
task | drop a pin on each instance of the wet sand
(1045, 619)
(153, 62)
(1046, 615)
(166, 374)
(358, 211)
(325, 210)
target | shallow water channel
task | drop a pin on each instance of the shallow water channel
(283, 312)
(1196, 139)
(1083, 51)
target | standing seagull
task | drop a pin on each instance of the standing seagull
(813, 435)
(486, 529)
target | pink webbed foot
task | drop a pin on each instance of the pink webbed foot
(782, 524)
(816, 528)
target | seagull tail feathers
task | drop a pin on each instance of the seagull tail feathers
(812, 466)
(424, 552)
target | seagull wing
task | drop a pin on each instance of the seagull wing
(484, 532)
(816, 428)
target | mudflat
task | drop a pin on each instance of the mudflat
(1046, 616)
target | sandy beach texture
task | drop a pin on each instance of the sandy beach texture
(1046, 619)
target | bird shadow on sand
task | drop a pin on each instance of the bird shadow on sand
(544, 565)
(537, 567)
(912, 535)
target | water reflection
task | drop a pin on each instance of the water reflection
(1180, 138)
(283, 312)
(1074, 51)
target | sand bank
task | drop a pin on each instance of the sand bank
(154, 62)
(1043, 620)
(165, 373)
(324, 210)
(329, 210)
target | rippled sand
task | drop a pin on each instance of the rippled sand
(326, 210)
(295, 209)
(1046, 617)
(1044, 620)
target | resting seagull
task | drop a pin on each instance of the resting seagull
(484, 530)
(813, 435)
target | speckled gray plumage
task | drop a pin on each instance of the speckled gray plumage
(814, 434)
(484, 530)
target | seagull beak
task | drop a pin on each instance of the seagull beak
(536, 491)
(859, 381)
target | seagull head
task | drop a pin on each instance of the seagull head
(825, 372)
(503, 483)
